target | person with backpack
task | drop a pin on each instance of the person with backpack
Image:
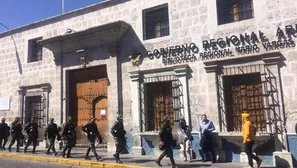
(4, 134)
(118, 132)
(51, 132)
(249, 133)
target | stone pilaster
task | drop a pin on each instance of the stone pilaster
(21, 103)
(136, 109)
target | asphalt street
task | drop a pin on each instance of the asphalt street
(15, 163)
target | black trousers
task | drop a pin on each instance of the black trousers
(70, 143)
(91, 146)
(4, 140)
(31, 140)
(52, 144)
(169, 153)
(249, 152)
(13, 139)
(208, 148)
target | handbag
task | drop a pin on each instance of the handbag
(161, 146)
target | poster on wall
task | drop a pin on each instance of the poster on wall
(4, 103)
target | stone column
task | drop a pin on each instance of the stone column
(136, 109)
(46, 90)
(21, 92)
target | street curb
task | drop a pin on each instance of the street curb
(67, 161)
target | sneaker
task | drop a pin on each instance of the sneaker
(119, 161)
(185, 159)
(259, 162)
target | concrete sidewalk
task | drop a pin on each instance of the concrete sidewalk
(129, 161)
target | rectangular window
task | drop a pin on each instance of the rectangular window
(34, 108)
(244, 93)
(34, 50)
(159, 103)
(234, 10)
(155, 22)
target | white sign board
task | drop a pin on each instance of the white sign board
(4, 103)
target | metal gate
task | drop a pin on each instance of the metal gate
(256, 91)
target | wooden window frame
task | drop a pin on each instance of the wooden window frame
(244, 96)
(34, 50)
(156, 18)
(154, 119)
(229, 11)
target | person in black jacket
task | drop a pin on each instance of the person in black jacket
(188, 140)
(31, 129)
(4, 133)
(16, 133)
(51, 133)
(69, 135)
(118, 132)
(166, 141)
(92, 132)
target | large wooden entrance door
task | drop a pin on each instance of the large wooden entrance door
(92, 102)
(88, 98)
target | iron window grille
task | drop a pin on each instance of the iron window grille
(35, 108)
(256, 90)
(234, 10)
(155, 22)
(34, 50)
(160, 96)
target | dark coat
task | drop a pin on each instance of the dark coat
(165, 135)
(92, 132)
(16, 129)
(4, 130)
(52, 131)
(31, 129)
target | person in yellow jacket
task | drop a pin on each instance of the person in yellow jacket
(249, 134)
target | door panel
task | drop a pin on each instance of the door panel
(101, 113)
(91, 101)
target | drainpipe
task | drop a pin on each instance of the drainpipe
(62, 82)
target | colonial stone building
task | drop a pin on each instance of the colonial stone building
(147, 58)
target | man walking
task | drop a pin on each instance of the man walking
(118, 132)
(166, 141)
(69, 135)
(51, 132)
(32, 131)
(16, 133)
(206, 128)
(4, 133)
(92, 133)
(249, 133)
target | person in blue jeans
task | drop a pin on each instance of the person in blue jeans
(206, 127)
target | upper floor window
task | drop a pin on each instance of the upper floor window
(155, 22)
(34, 50)
(234, 10)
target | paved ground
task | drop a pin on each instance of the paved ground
(15, 163)
(128, 159)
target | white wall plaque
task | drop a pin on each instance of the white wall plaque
(4, 103)
(103, 112)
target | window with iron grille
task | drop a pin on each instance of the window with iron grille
(34, 50)
(155, 22)
(34, 108)
(234, 10)
(244, 93)
(159, 104)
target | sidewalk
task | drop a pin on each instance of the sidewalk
(129, 160)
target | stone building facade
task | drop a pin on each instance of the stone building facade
(114, 57)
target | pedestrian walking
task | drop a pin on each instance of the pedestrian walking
(51, 133)
(16, 133)
(206, 128)
(4, 134)
(31, 129)
(118, 132)
(167, 142)
(92, 132)
(249, 133)
(69, 135)
(187, 143)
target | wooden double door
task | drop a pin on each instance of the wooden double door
(92, 102)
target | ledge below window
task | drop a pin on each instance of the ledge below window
(151, 136)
